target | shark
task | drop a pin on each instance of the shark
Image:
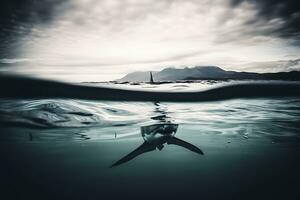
(155, 137)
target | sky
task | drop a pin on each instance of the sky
(101, 40)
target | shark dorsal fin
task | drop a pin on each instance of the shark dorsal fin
(151, 78)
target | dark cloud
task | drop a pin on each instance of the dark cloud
(27, 10)
(17, 17)
(286, 10)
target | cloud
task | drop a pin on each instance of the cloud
(18, 17)
(272, 66)
(99, 35)
(287, 12)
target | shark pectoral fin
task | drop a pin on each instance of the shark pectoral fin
(145, 147)
(184, 144)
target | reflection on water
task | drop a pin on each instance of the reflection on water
(59, 119)
(71, 119)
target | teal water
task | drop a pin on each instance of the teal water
(64, 149)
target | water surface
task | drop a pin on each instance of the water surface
(64, 148)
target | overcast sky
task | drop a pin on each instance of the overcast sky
(97, 40)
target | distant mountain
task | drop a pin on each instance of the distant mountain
(205, 73)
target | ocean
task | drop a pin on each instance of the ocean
(68, 148)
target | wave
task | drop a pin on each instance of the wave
(48, 109)
(51, 113)
(60, 119)
(29, 88)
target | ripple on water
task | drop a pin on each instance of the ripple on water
(60, 113)
(94, 119)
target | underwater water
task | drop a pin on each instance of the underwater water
(84, 149)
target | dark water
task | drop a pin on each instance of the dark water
(65, 149)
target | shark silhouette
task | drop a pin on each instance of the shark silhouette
(155, 136)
